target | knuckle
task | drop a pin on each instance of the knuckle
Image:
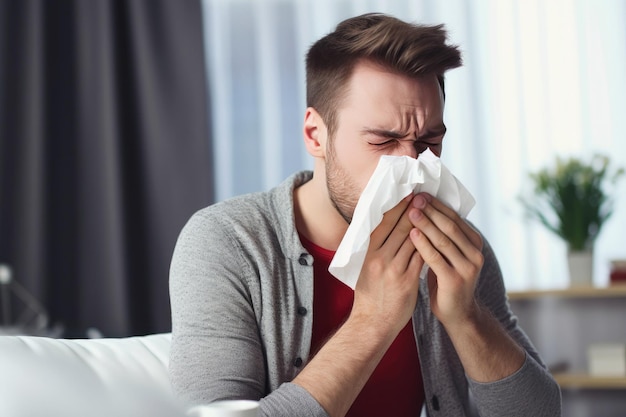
(450, 228)
(472, 270)
(443, 242)
(479, 260)
(476, 264)
(433, 256)
(376, 265)
(396, 269)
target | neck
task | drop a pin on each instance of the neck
(316, 217)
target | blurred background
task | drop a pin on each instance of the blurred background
(120, 118)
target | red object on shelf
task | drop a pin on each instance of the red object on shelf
(618, 276)
(618, 271)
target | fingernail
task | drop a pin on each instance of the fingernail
(419, 201)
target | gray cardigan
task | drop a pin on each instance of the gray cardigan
(241, 287)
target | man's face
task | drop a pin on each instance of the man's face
(383, 114)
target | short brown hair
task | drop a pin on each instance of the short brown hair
(406, 48)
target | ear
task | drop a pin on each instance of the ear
(315, 133)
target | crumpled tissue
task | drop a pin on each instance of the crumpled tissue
(394, 178)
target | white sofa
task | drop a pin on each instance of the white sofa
(110, 377)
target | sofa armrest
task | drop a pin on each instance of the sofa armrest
(78, 377)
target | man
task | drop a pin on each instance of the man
(257, 315)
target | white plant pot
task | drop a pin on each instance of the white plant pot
(580, 265)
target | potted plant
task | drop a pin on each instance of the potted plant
(572, 199)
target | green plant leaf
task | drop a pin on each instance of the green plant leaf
(572, 198)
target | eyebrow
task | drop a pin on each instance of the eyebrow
(439, 131)
(383, 132)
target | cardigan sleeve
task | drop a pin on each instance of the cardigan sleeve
(217, 350)
(531, 391)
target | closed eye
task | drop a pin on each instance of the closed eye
(417, 143)
(383, 137)
(387, 142)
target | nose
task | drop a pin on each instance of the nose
(414, 148)
(409, 148)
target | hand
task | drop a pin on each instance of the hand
(386, 291)
(453, 251)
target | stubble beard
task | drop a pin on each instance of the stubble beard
(342, 190)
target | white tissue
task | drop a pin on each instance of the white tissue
(394, 178)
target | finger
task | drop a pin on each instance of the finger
(468, 230)
(405, 257)
(416, 263)
(441, 242)
(431, 255)
(380, 234)
(447, 231)
(399, 238)
(449, 262)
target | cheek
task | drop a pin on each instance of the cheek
(357, 163)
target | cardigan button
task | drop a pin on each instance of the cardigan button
(297, 362)
(302, 311)
(302, 261)
(435, 403)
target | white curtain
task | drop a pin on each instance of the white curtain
(540, 79)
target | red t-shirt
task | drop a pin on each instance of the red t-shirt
(395, 388)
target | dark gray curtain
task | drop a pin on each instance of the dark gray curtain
(104, 154)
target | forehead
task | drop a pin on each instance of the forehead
(379, 94)
(371, 83)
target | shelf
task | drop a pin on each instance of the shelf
(615, 290)
(585, 381)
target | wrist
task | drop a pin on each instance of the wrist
(380, 329)
(469, 318)
(487, 351)
(369, 329)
